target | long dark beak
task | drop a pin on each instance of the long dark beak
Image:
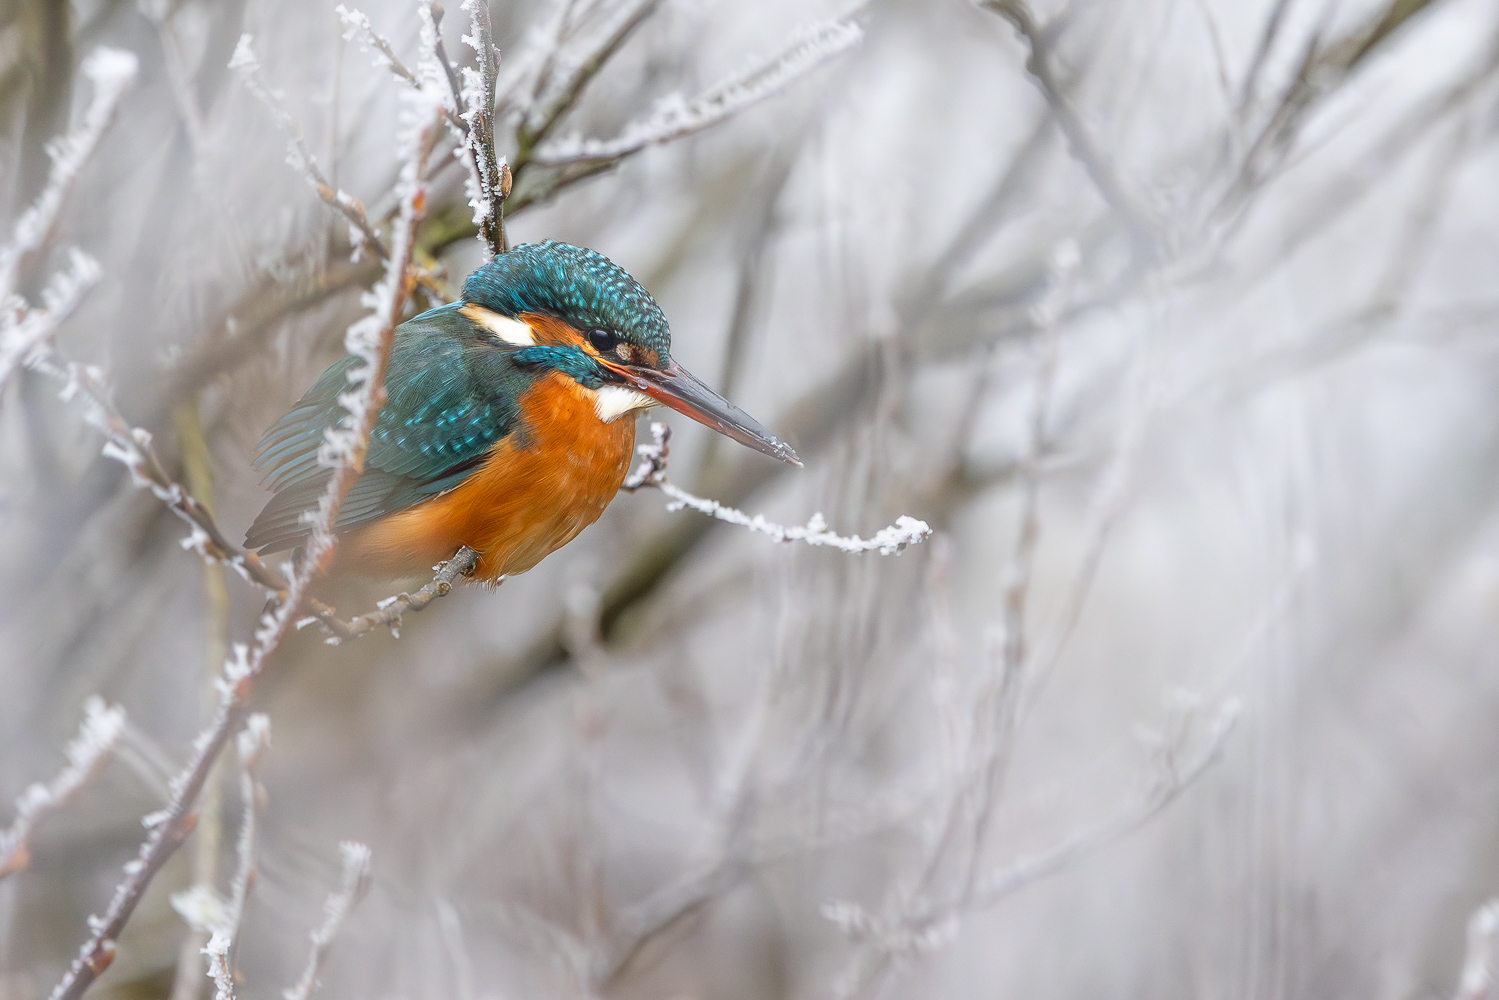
(684, 392)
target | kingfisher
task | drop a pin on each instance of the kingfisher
(508, 424)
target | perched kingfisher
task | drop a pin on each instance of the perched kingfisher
(508, 425)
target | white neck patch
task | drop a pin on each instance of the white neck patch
(506, 328)
(614, 401)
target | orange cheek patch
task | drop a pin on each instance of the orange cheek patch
(552, 331)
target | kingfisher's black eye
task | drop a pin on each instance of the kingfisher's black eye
(602, 340)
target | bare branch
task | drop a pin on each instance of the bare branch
(26, 336)
(928, 925)
(490, 178)
(362, 232)
(652, 473)
(201, 906)
(1134, 215)
(370, 338)
(132, 447)
(673, 119)
(357, 25)
(336, 909)
(393, 609)
(569, 69)
(111, 72)
(86, 754)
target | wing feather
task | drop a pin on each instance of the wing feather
(452, 393)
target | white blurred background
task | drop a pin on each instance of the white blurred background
(1174, 318)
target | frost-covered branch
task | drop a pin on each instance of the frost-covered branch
(674, 118)
(924, 925)
(392, 610)
(651, 472)
(201, 906)
(27, 332)
(357, 25)
(371, 339)
(336, 908)
(86, 754)
(132, 447)
(111, 72)
(361, 231)
(489, 176)
(567, 61)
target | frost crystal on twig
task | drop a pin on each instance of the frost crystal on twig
(336, 908)
(110, 71)
(26, 330)
(86, 754)
(357, 25)
(94, 955)
(200, 906)
(24, 341)
(298, 155)
(674, 118)
(651, 472)
(489, 176)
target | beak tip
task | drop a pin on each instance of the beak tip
(785, 452)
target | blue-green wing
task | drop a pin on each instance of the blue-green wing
(451, 392)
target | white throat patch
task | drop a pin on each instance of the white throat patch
(506, 328)
(614, 401)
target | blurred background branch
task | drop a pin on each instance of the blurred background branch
(676, 760)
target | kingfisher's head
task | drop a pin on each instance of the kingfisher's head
(575, 311)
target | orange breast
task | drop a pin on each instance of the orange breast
(547, 480)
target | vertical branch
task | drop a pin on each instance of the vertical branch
(336, 909)
(222, 946)
(490, 178)
(197, 471)
(371, 338)
(1013, 654)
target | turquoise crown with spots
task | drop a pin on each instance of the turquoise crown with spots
(575, 284)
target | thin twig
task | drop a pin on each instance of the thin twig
(932, 923)
(651, 472)
(1079, 140)
(392, 609)
(86, 754)
(25, 329)
(372, 338)
(673, 118)
(111, 72)
(201, 906)
(357, 25)
(490, 177)
(362, 232)
(354, 884)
